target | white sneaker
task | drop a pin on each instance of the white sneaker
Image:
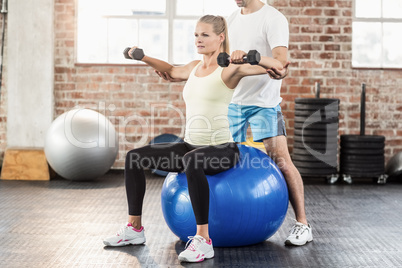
(127, 235)
(299, 235)
(198, 250)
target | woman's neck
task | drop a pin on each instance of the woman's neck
(210, 60)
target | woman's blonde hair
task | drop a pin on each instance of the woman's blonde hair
(219, 26)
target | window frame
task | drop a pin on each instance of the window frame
(381, 20)
(170, 15)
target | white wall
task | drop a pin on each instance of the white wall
(30, 71)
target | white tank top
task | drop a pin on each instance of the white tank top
(207, 100)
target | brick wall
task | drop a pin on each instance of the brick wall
(135, 99)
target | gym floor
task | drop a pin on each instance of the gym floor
(61, 223)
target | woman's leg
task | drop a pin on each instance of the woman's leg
(203, 161)
(166, 157)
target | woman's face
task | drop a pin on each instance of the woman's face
(206, 40)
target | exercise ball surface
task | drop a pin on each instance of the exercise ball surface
(248, 203)
(164, 138)
(81, 144)
(394, 165)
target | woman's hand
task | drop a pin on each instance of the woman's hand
(237, 57)
(136, 53)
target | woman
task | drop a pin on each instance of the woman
(208, 146)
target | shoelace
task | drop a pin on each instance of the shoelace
(298, 229)
(194, 241)
(122, 231)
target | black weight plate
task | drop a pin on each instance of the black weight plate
(362, 170)
(316, 144)
(374, 163)
(362, 145)
(317, 171)
(315, 132)
(310, 165)
(362, 161)
(368, 158)
(303, 151)
(302, 119)
(329, 159)
(317, 150)
(362, 167)
(323, 113)
(320, 147)
(316, 101)
(319, 144)
(317, 125)
(358, 162)
(362, 151)
(307, 139)
(316, 107)
(362, 138)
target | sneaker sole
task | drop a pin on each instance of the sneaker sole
(209, 255)
(125, 243)
(289, 243)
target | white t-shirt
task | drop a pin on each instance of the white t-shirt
(262, 30)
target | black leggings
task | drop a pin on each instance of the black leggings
(196, 161)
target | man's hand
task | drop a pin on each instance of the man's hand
(165, 76)
(278, 75)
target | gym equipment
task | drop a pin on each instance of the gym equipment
(248, 203)
(316, 136)
(162, 139)
(136, 54)
(253, 57)
(81, 144)
(21, 163)
(362, 155)
(394, 166)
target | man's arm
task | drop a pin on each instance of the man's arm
(280, 54)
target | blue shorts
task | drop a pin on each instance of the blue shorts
(264, 122)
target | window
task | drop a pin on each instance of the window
(163, 28)
(377, 26)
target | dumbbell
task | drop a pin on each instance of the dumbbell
(253, 57)
(136, 54)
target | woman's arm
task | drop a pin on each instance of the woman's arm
(232, 74)
(175, 72)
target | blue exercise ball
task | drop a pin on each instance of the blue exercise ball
(248, 203)
(163, 138)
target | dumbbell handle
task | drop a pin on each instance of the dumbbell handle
(252, 57)
(244, 59)
(136, 54)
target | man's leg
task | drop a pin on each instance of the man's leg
(268, 126)
(277, 149)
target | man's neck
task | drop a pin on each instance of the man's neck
(252, 7)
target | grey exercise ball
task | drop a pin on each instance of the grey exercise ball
(81, 145)
(394, 166)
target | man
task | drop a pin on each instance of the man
(256, 100)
